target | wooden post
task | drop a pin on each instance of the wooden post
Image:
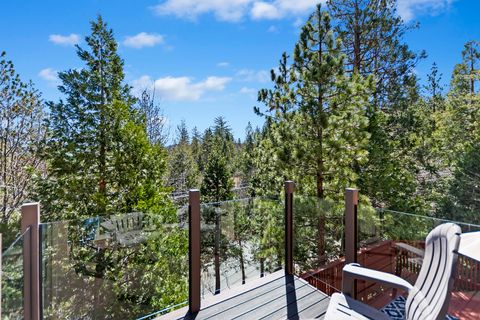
(349, 286)
(194, 251)
(31, 260)
(289, 188)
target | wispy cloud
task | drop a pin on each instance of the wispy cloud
(232, 10)
(248, 75)
(235, 10)
(247, 90)
(49, 75)
(181, 88)
(409, 9)
(69, 40)
(272, 29)
(143, 39)
(223, 64)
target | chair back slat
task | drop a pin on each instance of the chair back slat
(431, 294)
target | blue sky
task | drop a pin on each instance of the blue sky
(205, 57)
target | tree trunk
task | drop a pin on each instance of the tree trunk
(321, 218)
(242, 261)
(356, 43)
(262, 267)
(217, 253)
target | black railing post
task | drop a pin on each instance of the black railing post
(194, 251)
(289, 188)
(31, 260)
(349, 286)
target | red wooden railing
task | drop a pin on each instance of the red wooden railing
(385, 256)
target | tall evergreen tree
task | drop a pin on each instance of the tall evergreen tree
(373, 36)
(326, 127)
(183, 173)
(372, 33)
(98, 155)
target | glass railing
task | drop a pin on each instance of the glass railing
(13, 279)
(126, 266)
(318, 241)
(241, 240)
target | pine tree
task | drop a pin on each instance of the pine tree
(328, 114)
(460, 124)
(373, 36)
(372, 33)
(326, 127)
(98, 155)
(196, 146)
(460, 133)
(183, 173)
(217, 178)
(217, 181)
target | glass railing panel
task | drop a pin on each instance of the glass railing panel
(12, 279)
(318, 241)
(120, 267)
(241, 240)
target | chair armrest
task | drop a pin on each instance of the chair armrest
(409, 248)
(354, 271)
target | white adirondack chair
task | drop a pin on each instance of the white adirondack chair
(428, 299)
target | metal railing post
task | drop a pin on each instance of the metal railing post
(349, 285)
(289, 188)
(31, 260)
(194, 251)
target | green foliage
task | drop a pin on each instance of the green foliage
(183, 173)
(21, 133)
(461, 202)
(318, 109)
(98, 155)
(217, 181)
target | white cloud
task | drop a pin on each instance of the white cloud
(408, 9)
(232, 10)
(264, 10)
(49, 75)
(236, 10)
(223, 64)
(181, 88)
(69, 40)
(143, 39)
(248, 75)
(279, 9)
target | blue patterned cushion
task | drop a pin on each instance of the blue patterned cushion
(396, 309)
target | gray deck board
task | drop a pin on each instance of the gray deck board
(273, 297)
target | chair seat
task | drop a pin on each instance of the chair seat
(344, 307)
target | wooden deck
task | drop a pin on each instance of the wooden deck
(275, 296)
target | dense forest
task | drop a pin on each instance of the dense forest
(345, 108)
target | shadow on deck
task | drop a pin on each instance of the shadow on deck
(275, 296)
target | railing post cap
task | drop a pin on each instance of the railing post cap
(194, 190)
(29, 204)
(352, 193)
(289, 186)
